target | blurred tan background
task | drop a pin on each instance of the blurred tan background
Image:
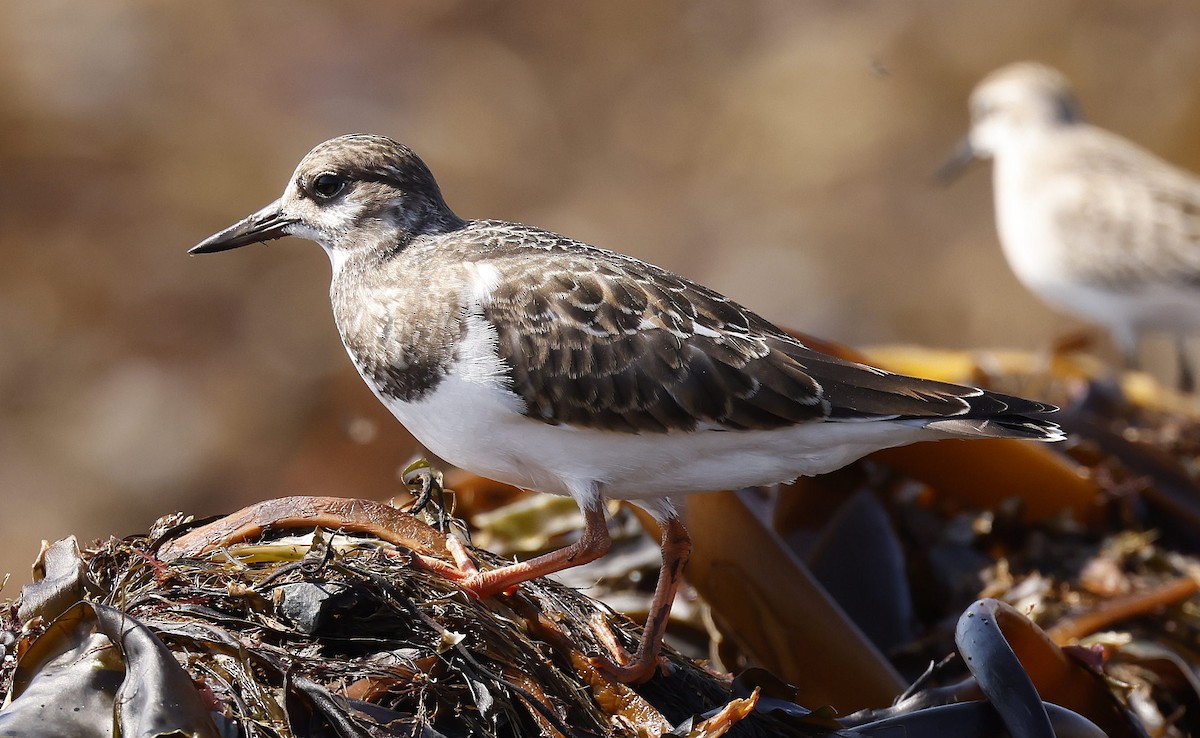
(779, 151)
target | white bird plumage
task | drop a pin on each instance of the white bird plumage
(1091, 223)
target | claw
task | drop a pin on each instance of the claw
(634, 673)
(622, 666)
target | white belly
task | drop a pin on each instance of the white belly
(479, 428)
(472, 421)
(1166, 308)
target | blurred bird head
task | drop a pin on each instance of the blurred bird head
(1008, 107)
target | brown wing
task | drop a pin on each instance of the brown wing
(1132, 219)
(605, 341)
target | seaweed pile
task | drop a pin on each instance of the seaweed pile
(323, 633)
(976, 589)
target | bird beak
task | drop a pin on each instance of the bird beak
(957, 162)
(265, 225)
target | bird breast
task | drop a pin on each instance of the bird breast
(401, 339)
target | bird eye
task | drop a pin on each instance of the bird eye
(327, 186)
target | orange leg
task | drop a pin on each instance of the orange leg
(640, 666)
(392, 525)
(593, 544)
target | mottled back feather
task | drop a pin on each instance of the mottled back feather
(1131, 220)
(601, 340)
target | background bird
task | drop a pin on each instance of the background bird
(546, 363)
(1091, 223)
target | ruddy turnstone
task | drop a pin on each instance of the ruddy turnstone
(1091, 223)
(533, 359)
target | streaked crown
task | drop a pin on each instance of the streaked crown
(350, 193)
(363, 186)
(1019, 100)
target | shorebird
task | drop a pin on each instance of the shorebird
(540, 361)
(1090, 222)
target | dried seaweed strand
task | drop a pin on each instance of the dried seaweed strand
(1074, 627)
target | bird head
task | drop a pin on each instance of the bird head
(1010, 105)
(351, 192)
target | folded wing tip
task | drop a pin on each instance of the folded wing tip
(1001, 426)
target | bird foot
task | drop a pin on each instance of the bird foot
(478, 584)
(620, 665)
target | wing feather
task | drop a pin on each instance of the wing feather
(1133, 218)
(599, 340)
